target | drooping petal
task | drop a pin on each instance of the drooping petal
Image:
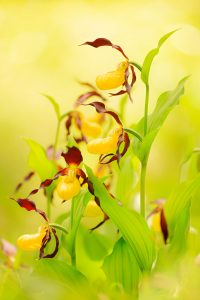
(30, 205)
(26, 178)
(100, 108)
(100, 42)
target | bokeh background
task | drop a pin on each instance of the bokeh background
(39, 53)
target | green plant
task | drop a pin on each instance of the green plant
(130, 251)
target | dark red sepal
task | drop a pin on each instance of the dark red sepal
(100, 108)
(73, 156)
(82, 98)
(26, 178)
(100, 42)
(30, 205)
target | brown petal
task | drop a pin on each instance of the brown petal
(123, 138)
(46, 240)
(26, 178)
(30, 205)
(104, 42)
(100, 108)
(82, 98)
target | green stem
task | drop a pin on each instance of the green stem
(146, 109)
(142, 188)
(144, 163)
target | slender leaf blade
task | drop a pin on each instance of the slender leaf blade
(150, 57)
(54, 104)
(132, 226)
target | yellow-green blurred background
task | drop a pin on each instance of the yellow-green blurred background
(39, 53)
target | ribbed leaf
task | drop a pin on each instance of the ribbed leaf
(150, 56)
(166, 102)
(79, 203)
(121, 267)
(132, 226)
(177, 213)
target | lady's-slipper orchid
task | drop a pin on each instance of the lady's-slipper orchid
(113, 79)
(119, 77)
(105, 145)
(109, 146)
(43, 237)
(32, 241)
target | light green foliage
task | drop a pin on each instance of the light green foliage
(121, 267)
(131, 225)
(150, 56)
(165, 103)
(38, 161)
(177, 209)
(79, 203)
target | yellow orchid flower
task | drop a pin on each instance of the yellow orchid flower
(32, 241)
(105, 145)
(113, 79)
(68, 186)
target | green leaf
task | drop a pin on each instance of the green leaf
(132, 225)
(165, 103)
(150, 56)
(79, 203)
(177, 213)
(121, 267)
(54, 104)
(97, 245)
(39, 162)
(59, 271)
(124, 187)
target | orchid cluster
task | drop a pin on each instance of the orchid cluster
(88, 130)
(105, 191)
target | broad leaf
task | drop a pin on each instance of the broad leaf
(132, 226)
(39, 162)
(54, 104)
(121, 267)
(177, 213)
(59, 271)
(125, 179)
(165, 103)
(97, 245)
(150, 56)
